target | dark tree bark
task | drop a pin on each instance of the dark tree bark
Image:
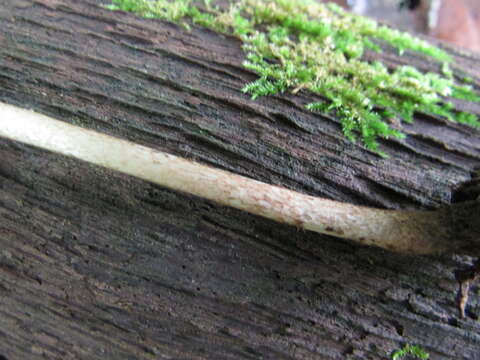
(99, 265)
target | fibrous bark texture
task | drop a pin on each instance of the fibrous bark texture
(98, 265)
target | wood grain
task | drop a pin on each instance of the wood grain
(98, 265)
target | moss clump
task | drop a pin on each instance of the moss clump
(172, 11)
(302, 44)
(414, 351)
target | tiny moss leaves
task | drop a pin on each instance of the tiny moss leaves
(412, 351)
(171, 11)
(295, 45)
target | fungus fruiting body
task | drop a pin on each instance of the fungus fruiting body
(415, 232)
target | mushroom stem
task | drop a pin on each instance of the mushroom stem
(415, 232)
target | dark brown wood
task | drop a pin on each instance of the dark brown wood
(98, 265)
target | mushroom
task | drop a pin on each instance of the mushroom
(450, 229)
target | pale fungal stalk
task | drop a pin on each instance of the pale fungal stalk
(416, 232)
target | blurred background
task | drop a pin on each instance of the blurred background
(455, 21)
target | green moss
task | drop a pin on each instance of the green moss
(301, 44)
(413, 351)
(172, 11)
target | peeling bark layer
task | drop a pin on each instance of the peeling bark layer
(98, 265)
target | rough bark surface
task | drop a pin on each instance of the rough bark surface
(98, 265)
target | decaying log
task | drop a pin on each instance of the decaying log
(98, 265)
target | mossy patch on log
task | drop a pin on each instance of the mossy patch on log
(302, 44)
